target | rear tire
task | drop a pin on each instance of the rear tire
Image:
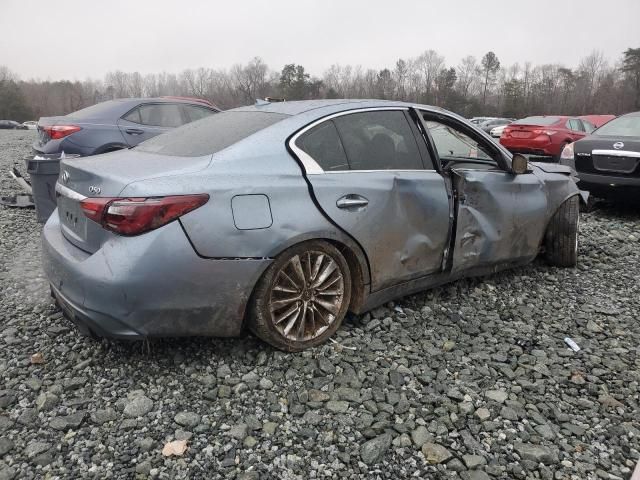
(302, 298)
(561, 239)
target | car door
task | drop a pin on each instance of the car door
(148, 120)
(500, 216)
(373, 179)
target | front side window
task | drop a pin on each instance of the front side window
(379, 140)
(323, 144)
(454, 145)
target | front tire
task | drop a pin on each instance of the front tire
(302, 298)
(561, 239)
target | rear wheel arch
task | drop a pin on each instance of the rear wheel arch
(356, 259)
(112, 147)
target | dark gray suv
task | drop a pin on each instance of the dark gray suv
(116, 124)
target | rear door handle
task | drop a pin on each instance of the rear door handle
(134, 131)
(352, 202)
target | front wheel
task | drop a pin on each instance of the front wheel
(302, 298)
(561, 239)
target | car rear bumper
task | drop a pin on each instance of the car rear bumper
(609, 185)
(150, 285)
(540, 145)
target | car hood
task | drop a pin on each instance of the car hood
(598, 142)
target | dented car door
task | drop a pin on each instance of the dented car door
(372, 178)
(499, 216)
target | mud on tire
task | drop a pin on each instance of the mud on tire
(302, 298)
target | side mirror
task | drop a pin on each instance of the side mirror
(519, 164)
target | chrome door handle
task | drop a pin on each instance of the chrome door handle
(352, 202)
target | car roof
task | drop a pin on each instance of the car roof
(322, 107)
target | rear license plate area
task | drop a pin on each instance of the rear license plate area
(609, 163)
(520, 134)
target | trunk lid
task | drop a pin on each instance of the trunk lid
(522, 131)
(106, 176)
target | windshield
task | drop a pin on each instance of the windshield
(626, 126)
(537, 121)
(211, 134)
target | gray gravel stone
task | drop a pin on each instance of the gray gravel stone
(187, 419)
(6, 444)
(138, 406)
(372, 451)
(435, 453)
(536, 453)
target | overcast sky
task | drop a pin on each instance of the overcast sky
(76, 39)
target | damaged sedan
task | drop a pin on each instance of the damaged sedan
(282, 217)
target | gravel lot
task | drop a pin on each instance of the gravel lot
(470, 381)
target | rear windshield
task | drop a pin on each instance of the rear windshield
(93, 111)
(537, 121)
(628, 126)
(211, 134)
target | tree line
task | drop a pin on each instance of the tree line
(473, 87)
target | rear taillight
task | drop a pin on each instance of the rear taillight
(57, 132)
(133, 216)
(545, 132)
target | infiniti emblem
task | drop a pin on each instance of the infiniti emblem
(618, 145)
(65, 176)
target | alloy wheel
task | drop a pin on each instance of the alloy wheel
(306, 296)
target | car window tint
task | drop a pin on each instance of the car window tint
(211, 134)
(575, 125)
(452, 143)
(161, 115)
(380, 140)
(323, 144)
(133, 116)
(197, 113)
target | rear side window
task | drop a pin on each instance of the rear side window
(196, 113)
(211, 134)
(323, 144)
(380, 140)
(161, 115)
(575, 125)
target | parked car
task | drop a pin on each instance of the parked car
(497, 132)
(116, 124)
(11, 125)
(479, 120)
(287, 215)
(31, 124)
(597, 120)
(542, 135)
(608, 161)
(102, 128)
(489, 125)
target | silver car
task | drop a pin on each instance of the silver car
(281, 217)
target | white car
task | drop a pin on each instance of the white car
(497, 131)
(31, 124)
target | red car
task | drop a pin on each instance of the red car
(544, 135)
